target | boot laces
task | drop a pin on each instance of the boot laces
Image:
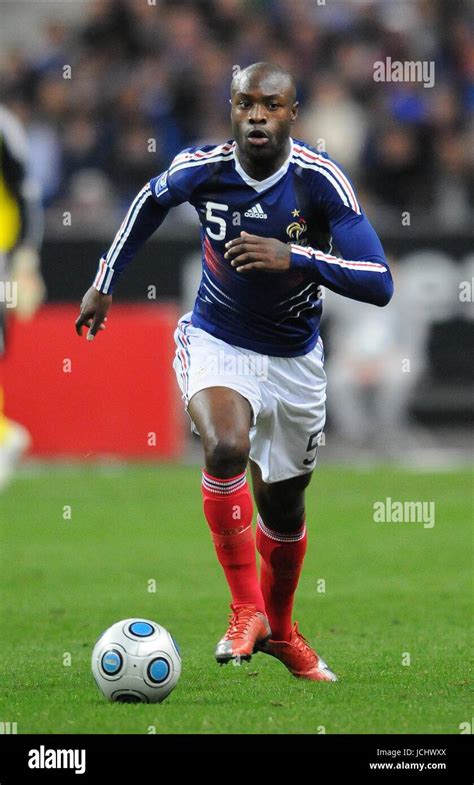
(303, 645)
(239, 622)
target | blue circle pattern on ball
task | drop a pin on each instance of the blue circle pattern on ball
(141, 629)
(111, 662)
(158, 670)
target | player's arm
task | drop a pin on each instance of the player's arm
(146, 213)
(362, 274)
(143, 217)
(361, 271)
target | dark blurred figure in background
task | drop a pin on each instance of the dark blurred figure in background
(21, 285)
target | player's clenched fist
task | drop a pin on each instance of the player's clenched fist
(249, 252)
(94, 309)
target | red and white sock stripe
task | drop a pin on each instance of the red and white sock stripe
(281, 536)
(223, 487)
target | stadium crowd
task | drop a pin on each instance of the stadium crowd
(149, 77)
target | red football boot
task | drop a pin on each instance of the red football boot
(247, 629)
(298, 656)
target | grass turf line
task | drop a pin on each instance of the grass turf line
(390, 589)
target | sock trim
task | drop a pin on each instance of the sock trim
(223, 487)
(281, 536)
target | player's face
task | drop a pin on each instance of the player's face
(262, 115)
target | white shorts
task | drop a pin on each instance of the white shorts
(287, 396)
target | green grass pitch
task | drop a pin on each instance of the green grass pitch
(391, 590)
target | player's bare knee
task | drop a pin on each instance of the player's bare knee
(284, 521)
(226, 456)
(282, 505)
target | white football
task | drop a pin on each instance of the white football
(136, 661)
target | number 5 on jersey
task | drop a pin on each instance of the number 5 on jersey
(216, 219)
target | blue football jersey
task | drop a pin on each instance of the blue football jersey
(308, 203)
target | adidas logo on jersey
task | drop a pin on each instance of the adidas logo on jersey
(255, 212)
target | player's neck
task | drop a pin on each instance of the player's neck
(260, 170)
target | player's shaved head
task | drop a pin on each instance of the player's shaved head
(263, 111)
(269, 77)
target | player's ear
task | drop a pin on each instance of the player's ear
(294, 111)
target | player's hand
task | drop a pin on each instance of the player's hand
(94, 309)
(249, 252)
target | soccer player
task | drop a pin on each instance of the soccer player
(249, 359)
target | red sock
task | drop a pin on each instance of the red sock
(280, 567)
(228, 509)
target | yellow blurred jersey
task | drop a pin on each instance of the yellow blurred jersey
(10, 218)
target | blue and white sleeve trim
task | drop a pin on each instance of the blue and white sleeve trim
(368, 281)
(108, 268)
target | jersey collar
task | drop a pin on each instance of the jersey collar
(262, 185)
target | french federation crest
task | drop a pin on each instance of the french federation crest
(295, 229)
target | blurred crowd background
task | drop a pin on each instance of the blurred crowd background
(161, 70)
(95, 81)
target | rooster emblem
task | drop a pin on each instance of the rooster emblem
(295, 229)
